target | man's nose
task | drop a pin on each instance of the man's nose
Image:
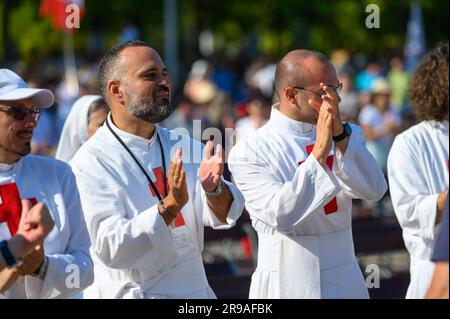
(165, 81)
(30, 122)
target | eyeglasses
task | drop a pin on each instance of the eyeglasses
(19, 113)
(337, 88)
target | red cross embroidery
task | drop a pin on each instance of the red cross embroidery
(179, 221)
(11, 206)
(331, 207)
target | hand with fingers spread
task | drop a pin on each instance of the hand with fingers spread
(324, 131)
(211, 167)
(178, 195)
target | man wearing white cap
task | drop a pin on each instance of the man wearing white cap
(60, 267)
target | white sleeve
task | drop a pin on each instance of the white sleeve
(414, 206)
(71, 271)
(119, 241)
(281, 204)
(358, 172)
(209, 218)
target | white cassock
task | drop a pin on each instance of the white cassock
(75, 129)
(52, 182)
(303, 252)
(418, 167)
(135, 254)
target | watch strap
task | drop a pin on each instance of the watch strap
(9, 258)
(344, 134)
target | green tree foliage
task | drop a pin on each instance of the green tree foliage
(270, 27)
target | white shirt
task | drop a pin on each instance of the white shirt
(303, 252)
(67, 245)
(418, 171)
(135, 254)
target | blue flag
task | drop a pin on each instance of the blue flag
(415, 46)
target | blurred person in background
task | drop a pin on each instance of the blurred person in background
(46, 133)
(379, 122)
(349, 99)
(398, 80)
(439, 285)
(182, 116)
(418, 167)
(258, 109)
(365, 79)
(86, 116)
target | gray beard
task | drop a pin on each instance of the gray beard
(149, 111)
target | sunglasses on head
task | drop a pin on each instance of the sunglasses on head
(19, 113)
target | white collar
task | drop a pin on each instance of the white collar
(9, 167)
(130, 139)
(283, 122)
(444, 126)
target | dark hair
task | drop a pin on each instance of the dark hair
(97, 105)
(108, 64)
(428, 88)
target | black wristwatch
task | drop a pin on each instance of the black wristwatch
(347, 132)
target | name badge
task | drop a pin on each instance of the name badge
(180, 237)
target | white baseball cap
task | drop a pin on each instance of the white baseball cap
(13, 88)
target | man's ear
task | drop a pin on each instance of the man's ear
(289, 93)
(116, 91)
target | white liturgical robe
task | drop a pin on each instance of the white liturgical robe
(302, 211)
(52, 182)
(418, 172)
(135, 254)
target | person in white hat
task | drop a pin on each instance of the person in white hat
(60, 267)
(380, 122)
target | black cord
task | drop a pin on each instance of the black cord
(152, 185)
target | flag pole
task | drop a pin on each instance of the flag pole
(71, 75)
